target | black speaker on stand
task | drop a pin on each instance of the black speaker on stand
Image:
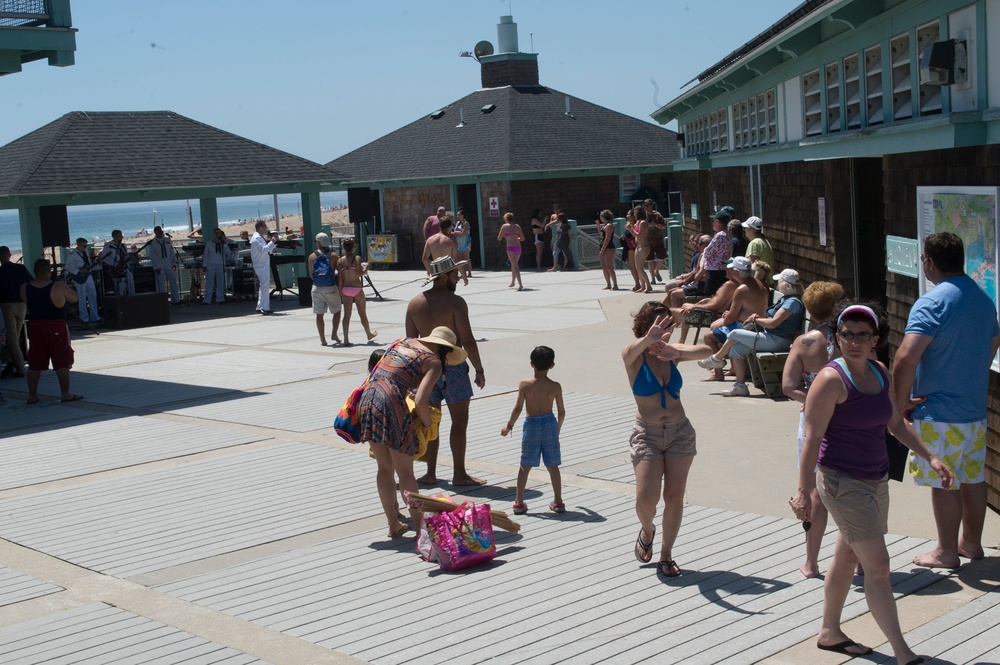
(55, 226)
(55, 230)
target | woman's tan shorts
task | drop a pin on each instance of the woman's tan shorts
(652, 441)
(859, 507)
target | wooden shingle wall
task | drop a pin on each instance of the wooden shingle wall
(404, 210)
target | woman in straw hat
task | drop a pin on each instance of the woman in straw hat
(386, 422)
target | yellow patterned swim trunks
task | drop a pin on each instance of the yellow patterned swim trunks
(962, 446)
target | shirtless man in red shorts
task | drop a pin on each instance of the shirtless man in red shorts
(48, 334)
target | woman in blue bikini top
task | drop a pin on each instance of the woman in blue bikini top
(663, 442)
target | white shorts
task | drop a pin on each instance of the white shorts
(961, 446)
(325, 298)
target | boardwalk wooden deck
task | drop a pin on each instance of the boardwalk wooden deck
(198, 509)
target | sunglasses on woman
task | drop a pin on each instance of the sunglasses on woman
(861, 337)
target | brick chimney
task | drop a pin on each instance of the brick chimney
(509, 66)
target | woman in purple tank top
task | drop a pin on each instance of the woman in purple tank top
(847, 410)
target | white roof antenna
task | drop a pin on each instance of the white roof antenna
(567, 110)
(461, 118)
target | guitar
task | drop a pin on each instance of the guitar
(81, 276)
(121, 266)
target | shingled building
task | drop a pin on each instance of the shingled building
(515, 140)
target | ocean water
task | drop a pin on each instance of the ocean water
(96, 222)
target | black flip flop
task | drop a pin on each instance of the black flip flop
(645, 548)
(842, 647)
(669, 568)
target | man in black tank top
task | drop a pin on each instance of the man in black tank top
(48, 334)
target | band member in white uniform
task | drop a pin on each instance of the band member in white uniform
(78, 266)
(164, 258)
(260, 256)
(216, 257)
(116, 257)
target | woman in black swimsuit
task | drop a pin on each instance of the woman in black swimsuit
(538, 231)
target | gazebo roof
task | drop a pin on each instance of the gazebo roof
(142, 152)
(528, 131)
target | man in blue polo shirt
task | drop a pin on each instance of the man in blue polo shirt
(941, 380)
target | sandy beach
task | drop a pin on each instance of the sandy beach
(338, 219)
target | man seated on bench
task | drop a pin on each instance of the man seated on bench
(774, 332)
(703, 312)
(750, 298)
(691, 283)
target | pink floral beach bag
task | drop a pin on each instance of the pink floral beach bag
(460, 538)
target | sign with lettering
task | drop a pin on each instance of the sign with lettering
(902, 256)
(494, 206)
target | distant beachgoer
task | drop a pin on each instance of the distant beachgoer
(440, 244)
(606, 226)
(322, 268)
(432, 225)
(513, 236)
(538, 236)
(352, 293)
(462, 232)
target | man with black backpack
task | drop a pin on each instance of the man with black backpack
(325, 295)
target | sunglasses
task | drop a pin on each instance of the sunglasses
(861, 337)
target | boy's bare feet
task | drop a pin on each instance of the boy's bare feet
(427, 479)
(372, 335)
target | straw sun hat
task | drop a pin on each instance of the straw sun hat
(441, 266)
(445, 337)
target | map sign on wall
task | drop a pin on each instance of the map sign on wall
(971, 214)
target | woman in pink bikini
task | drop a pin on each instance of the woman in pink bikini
(512, 234)
(349, 272)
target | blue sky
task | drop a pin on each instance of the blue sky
(319, 78)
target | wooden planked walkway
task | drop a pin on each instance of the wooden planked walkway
(15, 587)
(98, 633)
(200, 481)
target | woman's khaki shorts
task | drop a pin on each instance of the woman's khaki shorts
(653, 441)
(859, 507)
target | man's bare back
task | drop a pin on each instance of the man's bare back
(439, 245)
(753, 301)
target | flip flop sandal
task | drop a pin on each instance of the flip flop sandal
(557, 507)
(669, 568)
(644, 551)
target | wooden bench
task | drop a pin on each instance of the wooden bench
(766, 370)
